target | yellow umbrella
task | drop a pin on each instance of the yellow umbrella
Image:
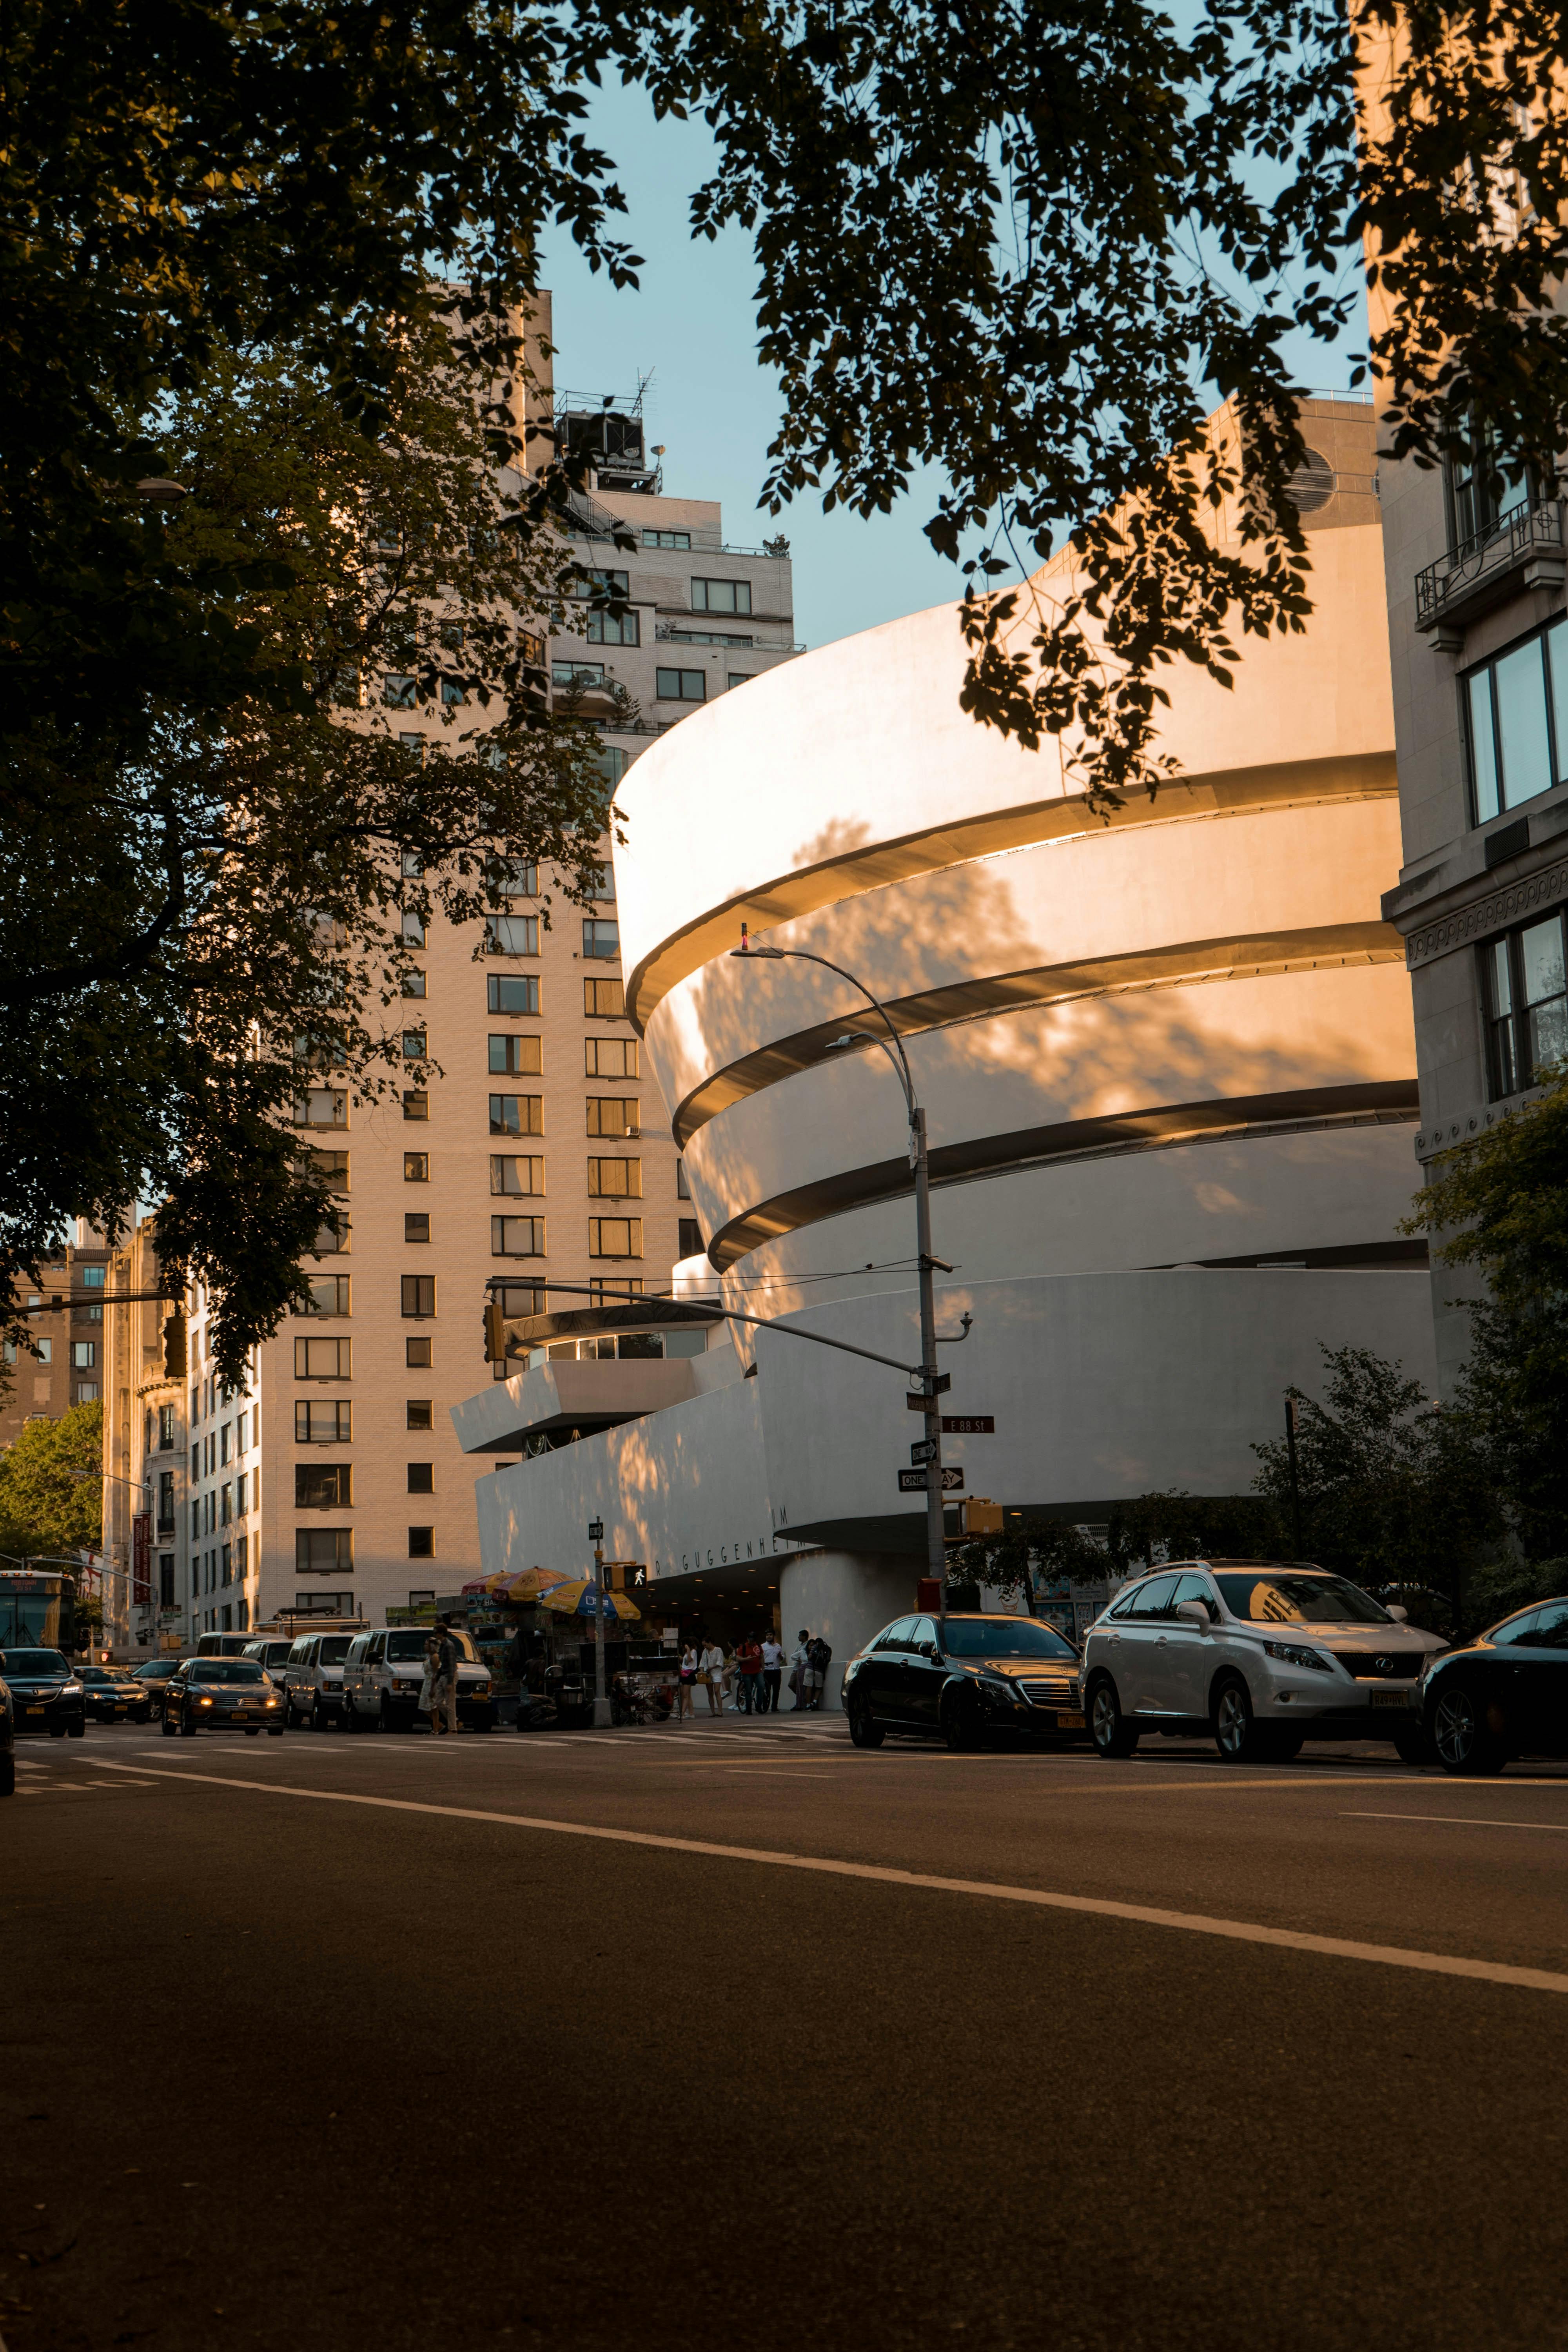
(576, 1600)
(527, 1583)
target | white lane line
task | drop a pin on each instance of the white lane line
(1194, 1923)
(1463, 1821)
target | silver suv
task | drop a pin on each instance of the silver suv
(382, 1673)
(313, 1680)
(1262, 1654)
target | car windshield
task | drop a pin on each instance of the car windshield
(1005, 1637)
(334, 1649)
(33, 1661)
(1280, 1597)
(94, 1675)
(405, 1646)
(226, 1670)
(154, 1669)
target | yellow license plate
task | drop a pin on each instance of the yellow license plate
(1390, 1698)
(32, 1710)
(1068, 1719)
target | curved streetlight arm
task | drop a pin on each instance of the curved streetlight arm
(803, 955)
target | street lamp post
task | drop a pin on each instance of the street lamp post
(931, 1382)
(601, 1700)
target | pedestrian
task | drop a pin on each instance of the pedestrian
(432, 1674)
(711, 1667)
(749, 1674)
(686, 1682)
(773, 1674)
(819, 1656)
(800, 1666)
(450, 1657)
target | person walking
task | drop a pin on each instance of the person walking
(449, 1656)
(800, 1666)
(819, 1656)
(749, 1674)
(712, 1668)
(685, 1682)
(773, 1674)
(432, 1672)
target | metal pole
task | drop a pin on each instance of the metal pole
(601, 1699)
(1295, 1483)
(936, 1547)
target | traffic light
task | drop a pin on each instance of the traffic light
(174, 1345)
(495, 1332)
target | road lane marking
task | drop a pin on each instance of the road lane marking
(1465, 1820)
(1194, 1923)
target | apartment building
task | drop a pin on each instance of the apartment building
(145, 1482)
(1476, 570)
(66, 1366)
(537, 1151)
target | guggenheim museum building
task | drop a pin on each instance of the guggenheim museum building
(1169, 1073)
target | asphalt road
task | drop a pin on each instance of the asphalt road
(336, 2041)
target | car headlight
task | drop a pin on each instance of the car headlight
(268, 1702)
(204, 1702)
(71, 1690)
(1289, 1653)
(999, 1692)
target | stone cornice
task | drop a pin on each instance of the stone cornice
(1495, 912)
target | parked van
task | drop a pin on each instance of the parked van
(382, 1675)
(271, 1653)
(223, 1645)
(313, 1680)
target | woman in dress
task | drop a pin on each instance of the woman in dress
(685, 1682)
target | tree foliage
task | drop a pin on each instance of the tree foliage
(45, 1504)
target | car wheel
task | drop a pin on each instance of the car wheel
(1108, 1728)
(1461, 1735)
(288, 1713)
(1412, 1745)
(351, 1717)
(865, 1731)
(253, 1735)
(77, 1730)
(1283, 1747)
(384, 1720)
(959, 1727)
(168, 1724)
(56, 1731)
(8, 1774)
(275, 1731)
(1237, 1732)
(187, 1724)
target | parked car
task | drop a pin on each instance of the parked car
(384, 1671)
(7, 1744)
(45, 1692)
(111, 1698)
(1502, 1696)
(1261, 1654)
(271, 1653)
(977, 1675)
(222, 1695)
(313, 1680)
(154, 1679)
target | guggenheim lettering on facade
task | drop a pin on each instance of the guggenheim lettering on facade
(1168, 1067)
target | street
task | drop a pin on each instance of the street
(735, 2033)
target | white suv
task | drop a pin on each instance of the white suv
(313, 1680)
(1260, 1653)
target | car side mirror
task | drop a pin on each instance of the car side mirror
(929, 1650)
(1400, 1616)
(1193, 1613)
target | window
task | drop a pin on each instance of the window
(421, 1543)
(666, 539)
(520, 1297)
(690, 1243)
(611, 763)
(611, 1058)
(601, 627)
(1526, 999)
(414, 746)
(224, 1437)
(507, 991)
(413, 983)
(165, 1580)
(331, 1165)
(517, 1237)
(601, 938)
(452, 694)
(613, 1115)
(600, 1290)
(323, 1051)
(511, 934)
(413, 930)
(240, 1504)
(604, 1000)
(91, 1277)
(415, 1226)
(46, 1351)
(418, 1295)
(323, 1359)
(416, 1168)
(420, 1413)
(325, 1294)
(1482, 487)
(418, 1355)
(680, 686)
(517, 1114)
(413, 1044)
(321, 1106)
(333, 1238)
(322, 1485)
(516, 1057)
(415, 1104)
(615, 1237)
(324, 1551)
(513, 878)
(398, 693)
(576, 673)
(331, 1424)
(84, 1355)
(706, 637)
(720, 595)
(614, 1180)
(739, 677)
(87, 1392)
(521, 1175)
(682, 1189)
(1516, 715)
(422, 1477)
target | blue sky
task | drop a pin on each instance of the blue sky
(691, 324)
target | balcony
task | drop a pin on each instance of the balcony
(1522, 550)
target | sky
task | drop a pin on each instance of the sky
(692, 327)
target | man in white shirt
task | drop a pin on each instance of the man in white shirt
(711, 1666)
(773, 1672)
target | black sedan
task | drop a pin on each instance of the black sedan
(963, 1679)
(222, 1695)
(112, 1698)
(7, 1747)
(154, 1679)
(1504, 1695)
(45, 1692)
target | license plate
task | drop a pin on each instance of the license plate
(1390, 1698)
(1068, 1719)
(32, 1710)
(241, 1710)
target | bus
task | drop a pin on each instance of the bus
(37, 1610)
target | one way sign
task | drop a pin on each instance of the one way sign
(913, 1481)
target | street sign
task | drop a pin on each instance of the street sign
(922, 1450)
(917, 1399)
(968, 1424)
(595, 1531)
(913, 1481)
